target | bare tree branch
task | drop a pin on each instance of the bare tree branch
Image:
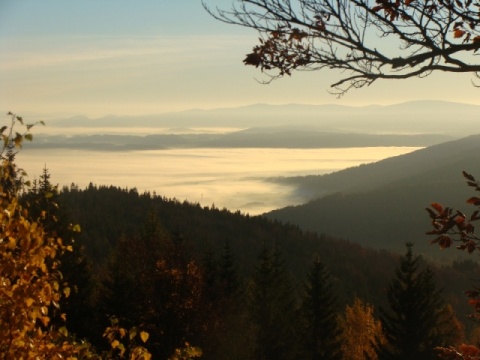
(367, 39)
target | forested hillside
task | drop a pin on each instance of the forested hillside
(108, 273)
(110, 215)
(382, 205)
(170, 274)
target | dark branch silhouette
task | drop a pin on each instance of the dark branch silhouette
(367, 40)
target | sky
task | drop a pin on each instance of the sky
(119, 57)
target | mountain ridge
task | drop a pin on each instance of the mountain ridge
(415, 116)
(382, 205)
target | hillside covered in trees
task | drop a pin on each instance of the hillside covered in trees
(122, 230)
(105, 272)
(382, 205)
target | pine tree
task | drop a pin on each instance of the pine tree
(229, 279)
(44, 205)
(319, 310)
(415, 326)
(272, 309)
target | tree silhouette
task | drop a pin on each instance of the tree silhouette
(388, 39)
(272, 308)
(319, 308)
(417, 322)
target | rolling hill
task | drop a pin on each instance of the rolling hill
(382, 205)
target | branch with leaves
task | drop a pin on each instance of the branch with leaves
(453, 226)
(388, 39)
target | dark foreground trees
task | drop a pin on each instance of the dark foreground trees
(385, 39)
(322, 335)
(272, 307)
(418, 321)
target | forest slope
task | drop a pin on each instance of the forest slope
(382, 205)
(108, 214)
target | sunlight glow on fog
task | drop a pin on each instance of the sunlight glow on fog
(231, 178)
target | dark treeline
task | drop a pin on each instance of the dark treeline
(237, 286)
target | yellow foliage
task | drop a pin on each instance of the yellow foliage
(360, 331)
(28, 286)
(187, 353)
(144, 336)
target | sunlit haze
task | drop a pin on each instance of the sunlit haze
(120, 57)
(64, 59)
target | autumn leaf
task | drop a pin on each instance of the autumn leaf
(458, 33)
(144, 336)
(474, 200)
(66, 291)
(437, 207)
(253, 59)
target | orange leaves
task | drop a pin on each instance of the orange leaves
(458, 33)
(464, 352)
(452, 225)
(448, 222)
(469, 350)
(123, 345)
(474, 201)
(437, 207)
(28, 286)
(361, 332)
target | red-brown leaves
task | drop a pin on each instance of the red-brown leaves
(474, 200)
(458, 33)
(284, 49)
(452, 225)
(437, 207)
(254, 59)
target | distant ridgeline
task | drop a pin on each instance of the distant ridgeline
(252, 138)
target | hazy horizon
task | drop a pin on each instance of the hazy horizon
(157, 57)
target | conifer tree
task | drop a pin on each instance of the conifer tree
(416, 323)
(229, 279)
(272, 308)
(319, 308)
(44, 205)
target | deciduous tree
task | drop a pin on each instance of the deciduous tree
(366, 40)
(361, 332)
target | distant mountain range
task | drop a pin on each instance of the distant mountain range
(417, 117)
(251, 138)
(419, 124)
(382, 205)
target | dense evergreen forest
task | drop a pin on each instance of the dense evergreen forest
(235, 285)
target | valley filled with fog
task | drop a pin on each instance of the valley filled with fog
(234, 178)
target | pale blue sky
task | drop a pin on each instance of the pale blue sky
(66, 57)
